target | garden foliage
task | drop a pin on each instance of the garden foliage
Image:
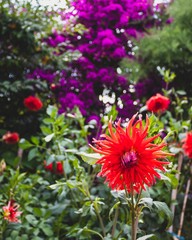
(67, 76)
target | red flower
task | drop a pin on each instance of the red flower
(158, 103)
(130, 159)
(55, 169)
(10, 212)
(187, 146)
(11, 138)
(33, 103)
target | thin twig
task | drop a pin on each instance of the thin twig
(174, 191)
(184, 207)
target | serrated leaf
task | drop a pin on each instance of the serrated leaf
(90, 158)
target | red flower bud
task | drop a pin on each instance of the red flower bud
(11, 138)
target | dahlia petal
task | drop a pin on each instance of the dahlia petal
(130, 158)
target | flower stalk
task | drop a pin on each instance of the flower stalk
(174, 191)
(184, 204)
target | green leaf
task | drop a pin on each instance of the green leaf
(49, 137)
(181, 92)
(24, 144)
(90, 158)
(115, 206)
(67, 167)
(163, 209)
(37, 212)
(48, 120)
(146, 237)
(31, 219)
(72, 183)
(32, 154)
(35, 140)
(60, 119)
(173, 180)
(47, 230)
(52, 111)
(170, 178)
(119, 194)
(46, 130)
(147, 202)
(50, 159)
(21, 176)
(57, 185)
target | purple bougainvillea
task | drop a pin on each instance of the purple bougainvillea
(109, 26)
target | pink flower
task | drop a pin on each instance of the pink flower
(33, 103)
(10, 212)
(11, 138)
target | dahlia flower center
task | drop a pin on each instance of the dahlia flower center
(129, 159)
(158, 105)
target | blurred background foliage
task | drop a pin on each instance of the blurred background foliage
(43, 53)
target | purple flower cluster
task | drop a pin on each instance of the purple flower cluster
(55, 39)
(111, 14)
(42, 74)
(110, 24)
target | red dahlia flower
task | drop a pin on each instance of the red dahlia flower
(130, 159)
(33, 103)
(58, 168)
(187, 146)
(10, 212)
(158, 103)
(11, 138)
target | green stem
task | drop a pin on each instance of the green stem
(133, 216)
(100, 220)
(97, 212)
(115, 222)
(59, 150)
